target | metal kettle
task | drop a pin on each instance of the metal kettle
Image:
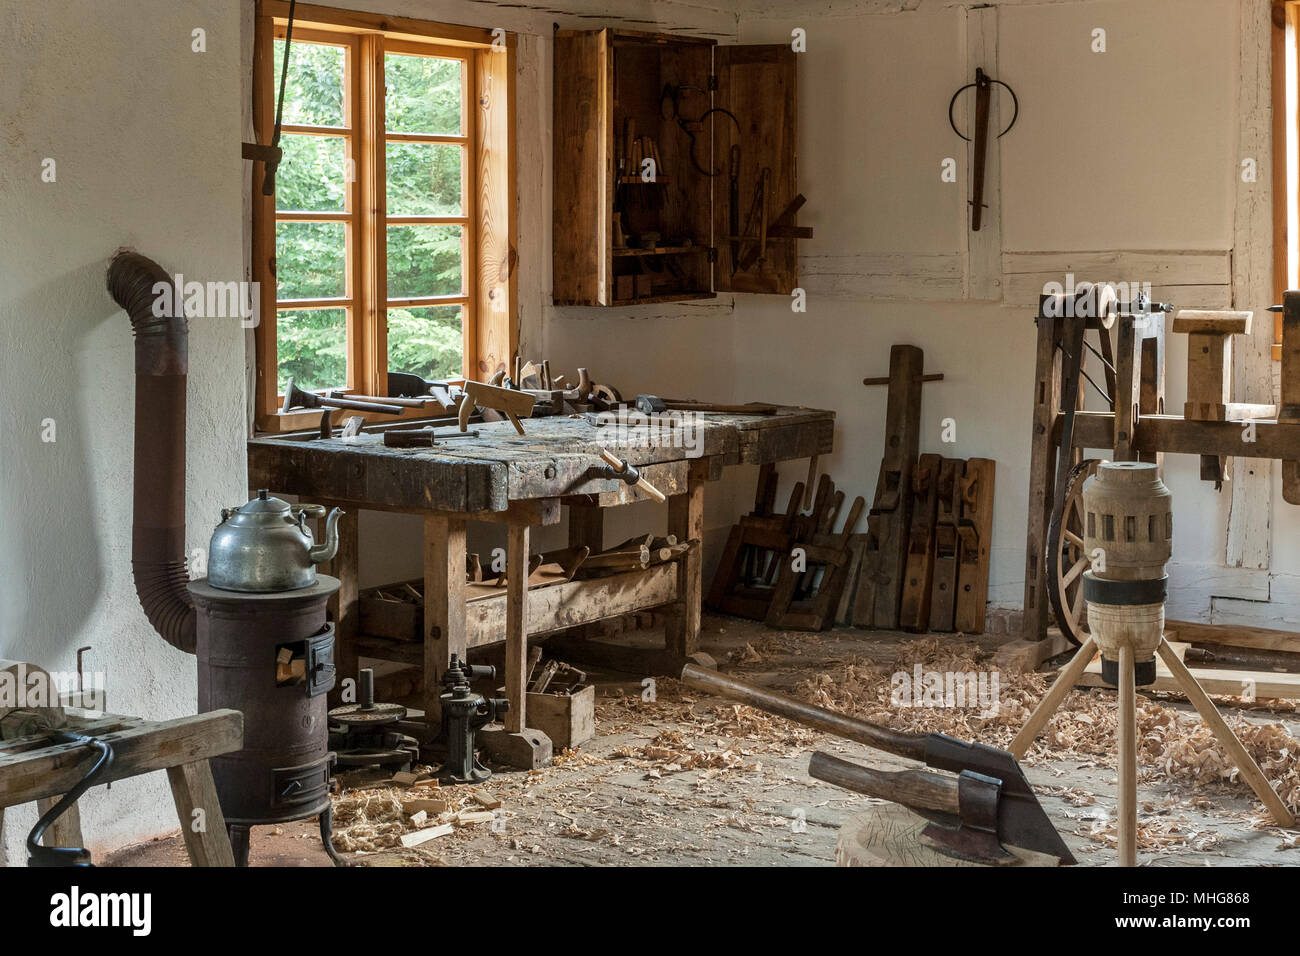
(267, 546)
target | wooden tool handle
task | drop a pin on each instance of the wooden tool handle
(620, 466)
(463, 413)
(922, 789)
(911, 746)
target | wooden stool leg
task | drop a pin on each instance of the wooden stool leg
(1127, 759)
(1062, 686)
(205, 835)
(64, 831)
(1231, 743)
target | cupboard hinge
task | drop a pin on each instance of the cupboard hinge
(713, 254)
(713, 82)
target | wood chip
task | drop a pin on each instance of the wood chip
(427, 834)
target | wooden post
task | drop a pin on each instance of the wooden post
(344, 604)
(686, 521)
(516, 626)
(1042, 477)
(1127, 758)
(880, 580)
(444, 603)
(205, 836)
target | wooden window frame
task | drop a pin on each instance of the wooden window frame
(1286, 153)
(488, 297)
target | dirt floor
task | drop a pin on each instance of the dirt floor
(693, 780)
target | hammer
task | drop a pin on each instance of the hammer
(294, 397)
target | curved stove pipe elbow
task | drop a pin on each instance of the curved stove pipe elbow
(141, 287)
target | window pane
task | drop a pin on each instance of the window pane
(311, 347)
(310, 260)
(311, 176)
(424, 260)
(425, 341)
(423, 94)
(423, 179)
(313, 95)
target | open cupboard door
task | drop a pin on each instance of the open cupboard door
(755, 194)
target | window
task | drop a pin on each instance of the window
(383, 250)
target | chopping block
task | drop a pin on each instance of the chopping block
(891, 835)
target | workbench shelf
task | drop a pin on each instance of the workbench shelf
(623, 98)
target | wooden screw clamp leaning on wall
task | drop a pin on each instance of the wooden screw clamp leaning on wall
(880, 578)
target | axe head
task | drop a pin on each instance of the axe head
(1020, 819)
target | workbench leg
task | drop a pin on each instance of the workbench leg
(517, 745)
(344, 604)
(444, 604)
(203, 826)
(686, 521)
(516, 626)
(66, 829)
(587, 527)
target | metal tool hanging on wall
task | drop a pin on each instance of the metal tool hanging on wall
(271, 155)
(983, 96)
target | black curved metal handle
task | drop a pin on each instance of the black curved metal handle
(982, 78)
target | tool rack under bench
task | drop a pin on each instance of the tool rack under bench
(523, 481)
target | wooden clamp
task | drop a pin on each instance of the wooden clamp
(943, 590)
(914, 609)
(880, 576)
(1209, 371)
(513, 404)
(975, 537)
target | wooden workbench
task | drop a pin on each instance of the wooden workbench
(500, 476)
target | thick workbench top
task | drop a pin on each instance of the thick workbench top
(487, 473)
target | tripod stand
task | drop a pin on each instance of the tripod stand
(1064, 683)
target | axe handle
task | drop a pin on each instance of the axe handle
(911, 746)
(921, 789)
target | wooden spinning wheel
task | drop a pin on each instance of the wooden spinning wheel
(1066, 557)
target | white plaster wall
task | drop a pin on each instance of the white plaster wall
(145, 134)
(1127, 150)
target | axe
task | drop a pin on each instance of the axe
(987, 806)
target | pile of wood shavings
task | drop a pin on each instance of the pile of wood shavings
(374, 819)
(670, 752)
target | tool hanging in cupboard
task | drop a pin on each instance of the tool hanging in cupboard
(983, 95)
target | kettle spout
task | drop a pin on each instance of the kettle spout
(330, 546)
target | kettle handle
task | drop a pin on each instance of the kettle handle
(311, 511)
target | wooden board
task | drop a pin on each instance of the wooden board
(583, 143)
(880, 582)
(758, 84)
(943, 588)
(1261, 685)
(918, 572)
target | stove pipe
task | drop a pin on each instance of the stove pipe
(161, 368)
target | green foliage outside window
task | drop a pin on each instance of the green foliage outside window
(423, 96)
